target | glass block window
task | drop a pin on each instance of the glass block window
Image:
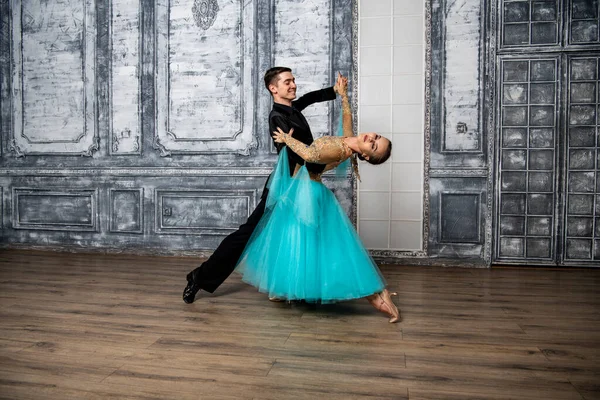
(584, 21)
(582, 216)
(529, 23)
(528, 126)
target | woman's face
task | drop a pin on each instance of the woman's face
(372, 145)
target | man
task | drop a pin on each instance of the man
(286, 114)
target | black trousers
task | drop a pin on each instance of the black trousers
(213, 272)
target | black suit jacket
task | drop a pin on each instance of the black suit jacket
(286, 117)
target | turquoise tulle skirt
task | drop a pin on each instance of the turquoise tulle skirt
(305, 247)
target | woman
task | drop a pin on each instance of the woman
(305, 247)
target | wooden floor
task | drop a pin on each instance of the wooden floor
(77, 326)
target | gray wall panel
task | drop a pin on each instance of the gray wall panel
(53, 79)
(458, 217)
(205, 96)
(126, 210)
(457, 136)
(58, 209)
(166, 103)
(459, 175)
(124, 97)
(202, 211)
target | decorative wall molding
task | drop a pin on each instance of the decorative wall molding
(14, 147)
(189, 125)
(1, 209)
(427, 126)
(138, 171)
(61, 209)
(397, 254)
(125, 49)
(461, 79)
(457, 91)
(39, 125)
(112, 249)
(461, 221)
(489, 124)
(202, 212)
(128, 204)
(355, 78)
(441, 173)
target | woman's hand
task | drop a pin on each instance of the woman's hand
(341, 86)
(279, 136)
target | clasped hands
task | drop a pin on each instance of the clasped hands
(341, 86)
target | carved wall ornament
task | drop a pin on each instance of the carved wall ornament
(95, 146)
(124, 134)
(157, 145)
(136, 144)
(205, 13)
(14, 147)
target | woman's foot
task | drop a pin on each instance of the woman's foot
(383, 302)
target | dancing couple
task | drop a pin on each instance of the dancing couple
(298, 244)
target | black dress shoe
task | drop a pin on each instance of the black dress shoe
(189, 293)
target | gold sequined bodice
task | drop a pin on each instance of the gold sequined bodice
(333, 143)
(324, 150)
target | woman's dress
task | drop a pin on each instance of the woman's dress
(305, 247)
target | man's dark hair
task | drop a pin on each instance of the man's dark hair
(272, 74)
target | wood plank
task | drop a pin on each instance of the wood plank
(35, 387)
(215, 382)
(429, 394)
(115, 327)
(589, 387)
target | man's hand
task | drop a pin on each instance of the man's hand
(279, 136)
(341, 85)
(331, 166)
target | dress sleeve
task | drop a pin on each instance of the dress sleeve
(322, 151)
(346, 117)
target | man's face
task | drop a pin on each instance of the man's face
(285, 87)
